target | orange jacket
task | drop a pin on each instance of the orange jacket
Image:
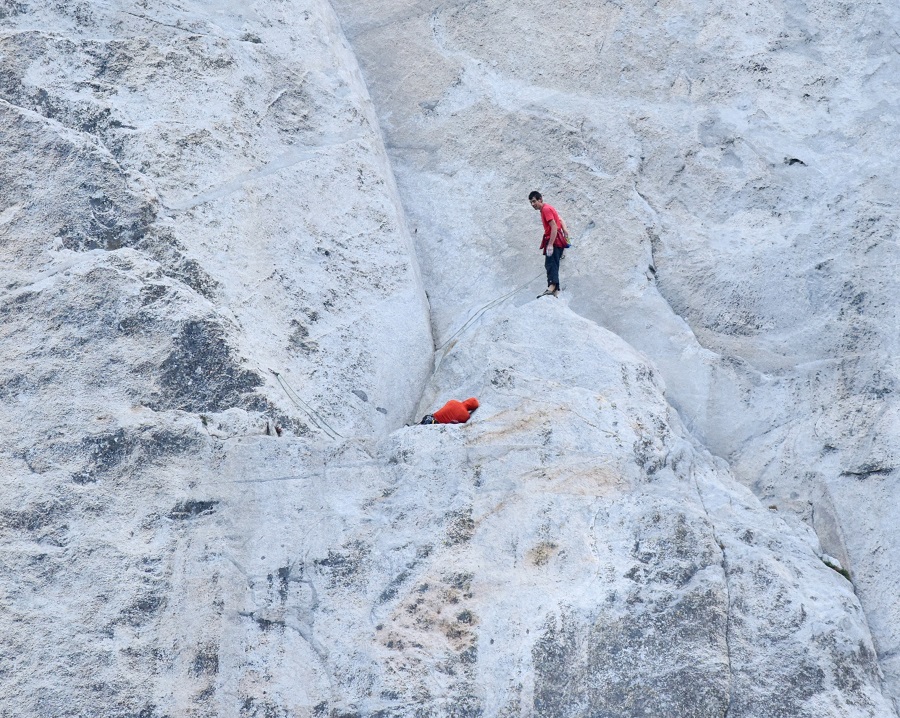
(456, 412)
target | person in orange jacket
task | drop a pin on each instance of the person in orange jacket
(453, 412)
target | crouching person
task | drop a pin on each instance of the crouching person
(453, 412)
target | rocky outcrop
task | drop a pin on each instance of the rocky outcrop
(215, 329)
(635, 577)
(202, 240)
(215, 151)
(728, 174)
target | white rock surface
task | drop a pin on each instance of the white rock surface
(190, 197)
(238, 149)
(730, 174)
(194, 194)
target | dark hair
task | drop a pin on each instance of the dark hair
(534, 195)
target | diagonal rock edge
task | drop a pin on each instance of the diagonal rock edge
(129, 197)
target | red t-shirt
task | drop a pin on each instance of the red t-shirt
(548, 213)
(456, 412)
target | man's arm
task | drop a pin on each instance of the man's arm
(551, 243)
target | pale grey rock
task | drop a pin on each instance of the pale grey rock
(730, 175)
(568, 552)
(238, 149)
(683, 596)
(191, 197)
(194, 195)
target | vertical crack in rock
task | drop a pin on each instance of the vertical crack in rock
(727, 622)
(725, 571)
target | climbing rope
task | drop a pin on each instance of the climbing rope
(314, 416)
(323, 425)
(487, 306)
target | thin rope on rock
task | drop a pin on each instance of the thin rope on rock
(487, 306)
(314, 416)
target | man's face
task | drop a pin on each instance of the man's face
(536, 203)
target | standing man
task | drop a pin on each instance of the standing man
(553, 243)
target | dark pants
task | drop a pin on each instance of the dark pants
(551, 264)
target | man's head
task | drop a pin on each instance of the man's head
(536, 200)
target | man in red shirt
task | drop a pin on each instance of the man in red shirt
(453, 412)
(553, 243)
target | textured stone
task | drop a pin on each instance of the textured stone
(729, 175)
(191, 199)
(214, 330)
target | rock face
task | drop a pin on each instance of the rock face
(624, 572)
(213, 154)
(202, 239)
(215, 328)
(730, 178)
